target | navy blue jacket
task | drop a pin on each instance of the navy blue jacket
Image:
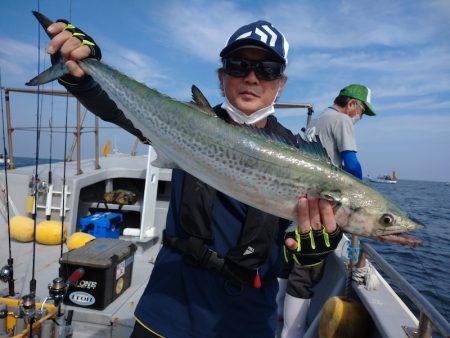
(182, 300)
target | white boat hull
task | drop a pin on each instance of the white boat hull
(380, 180)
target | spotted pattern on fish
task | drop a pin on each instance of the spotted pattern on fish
(256, 170)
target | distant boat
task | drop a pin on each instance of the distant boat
(385, 178)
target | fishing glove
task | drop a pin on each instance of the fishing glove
(313, 246)
(85, 40)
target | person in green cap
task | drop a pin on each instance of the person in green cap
(335, 126)
(336, 131)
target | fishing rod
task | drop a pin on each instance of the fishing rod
(7, 271)
(63, 211)
(51, 140)
(29, 301)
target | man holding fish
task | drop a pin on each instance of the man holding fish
(215, 275)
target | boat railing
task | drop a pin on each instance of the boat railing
(80, 121)
(429, 315)
(307, 106)
(77, 133)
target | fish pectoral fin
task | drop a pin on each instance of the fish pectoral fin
(200, 102)
(163, 162)
(332, 196)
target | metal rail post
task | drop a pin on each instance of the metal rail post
(10, 163)
(97, 161)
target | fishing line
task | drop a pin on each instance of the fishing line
(10, 259)
(63, 211)
(434, 289)
(70, 10)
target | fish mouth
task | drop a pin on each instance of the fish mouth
(402, 239)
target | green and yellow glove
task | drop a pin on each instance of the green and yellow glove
(313, 246)
(86, 40)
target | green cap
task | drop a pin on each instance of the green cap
(361, 93)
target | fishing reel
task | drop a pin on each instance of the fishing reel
(3, 317)
(6, 274)
(37, 185)
(42, 187)
(57, 289)
(28, 307)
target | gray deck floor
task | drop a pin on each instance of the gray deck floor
(116, 320)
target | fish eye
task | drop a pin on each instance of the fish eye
(387, 219)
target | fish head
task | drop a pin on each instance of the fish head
(375, 217)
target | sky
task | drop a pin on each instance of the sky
(400, 49)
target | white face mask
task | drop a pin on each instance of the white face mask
(241, 118)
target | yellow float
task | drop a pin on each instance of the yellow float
(78, 239)
(22, 228)
(344, 317)
(49, 232)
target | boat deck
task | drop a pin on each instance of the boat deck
(116, 320)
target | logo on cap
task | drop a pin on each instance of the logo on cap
(261, 34)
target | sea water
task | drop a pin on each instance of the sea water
(427, 266)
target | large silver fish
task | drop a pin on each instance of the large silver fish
(241, 162)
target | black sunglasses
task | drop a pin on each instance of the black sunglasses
(264, 70)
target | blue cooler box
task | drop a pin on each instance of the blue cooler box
(102, 224)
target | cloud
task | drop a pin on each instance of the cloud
(17, 61)
(198, 28)
(332, 25)
(392, 61)
(416, 126)
(414, 79)
(341, 24)
(134, 64)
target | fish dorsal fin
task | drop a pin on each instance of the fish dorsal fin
(264, 133)
(308, 141)
(199, 98)
(200, 102)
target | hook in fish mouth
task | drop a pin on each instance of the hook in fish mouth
(402, 239)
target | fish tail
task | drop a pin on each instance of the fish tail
(58, 69)
(44, 21)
